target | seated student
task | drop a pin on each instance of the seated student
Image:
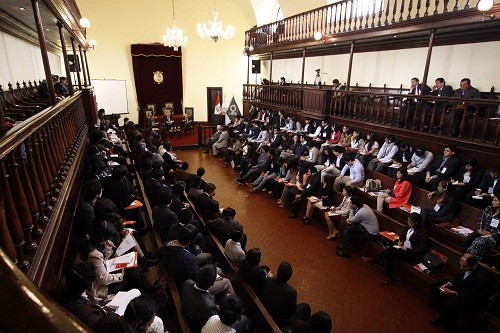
(385, 155)
(163, 216)
(280, 299)
(262, 164)
(356, 174)
(399, 195)
(310, 189)
(468, 179)
(229, 318)
(198, 303)
(342, 210)
(205, 185)
(139, 317)
(333, 138)
(489, 184)
(361, 224)
(99, 249)
(368, 150)
(118, 187)
(186, 217)
(413, 244)
(290, 177)
(272, 171)
(203, 201)
(487, 235)
(311, 158)
(356, 142)
(420, 159)
(232, 248)
(442, 168)
(338, 163)
(446, 206)
(79, 280)
(345, 137)
(84, 217)
(402, 158)
(466, 292)
(224, 225)
(178, 200)
(154, 184)
(253, 273)
(319, 322)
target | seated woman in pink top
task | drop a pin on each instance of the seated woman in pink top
(400, 194)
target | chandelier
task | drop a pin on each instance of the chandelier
(214, 29)
(174, 37)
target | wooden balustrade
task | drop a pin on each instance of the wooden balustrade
(383, 106)
(35, 160)
(348, 16)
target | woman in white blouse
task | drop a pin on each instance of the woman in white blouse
(337, 212)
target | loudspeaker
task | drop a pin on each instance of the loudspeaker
(255, 66)
(74, 63)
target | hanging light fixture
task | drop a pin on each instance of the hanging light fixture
(174, 37)
(214, 29)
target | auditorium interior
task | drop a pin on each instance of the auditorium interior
(113, 57)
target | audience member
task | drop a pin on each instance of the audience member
(356, 174)
(232, 248)
(490, 184)
(443, 168)
(229, 318)
(310, 189)
(436, 107)
(368, 150)
(319, 322)
(385, 155)
(361, 224)
(467, 180)
(445, 209)
(253, 273)
(399, 195)
(412, 245)
(338, 212)
(280, 299)
(466, 91)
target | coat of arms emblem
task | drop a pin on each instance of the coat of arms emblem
(158, 77)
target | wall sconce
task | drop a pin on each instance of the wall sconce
(92, 43)
(318, 35)
(484, 6)
(84, 22)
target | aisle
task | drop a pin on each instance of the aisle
(348, 289)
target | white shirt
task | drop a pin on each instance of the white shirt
(214, 325)
(356, 171)
(233, 251)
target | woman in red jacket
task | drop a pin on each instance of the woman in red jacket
(400, 194)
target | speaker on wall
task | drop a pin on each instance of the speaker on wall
(255, 66)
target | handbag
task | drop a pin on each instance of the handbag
(373, 185)
(432, 262)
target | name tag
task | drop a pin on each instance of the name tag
(466, 179)
(490, 190)
(443, 170)
(494, 223)
(436, 208)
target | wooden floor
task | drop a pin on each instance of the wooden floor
(348, 289)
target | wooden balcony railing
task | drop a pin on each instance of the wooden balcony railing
(39, 164)
(472, 119)
(346, 16)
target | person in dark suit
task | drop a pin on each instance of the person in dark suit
(153, 185)
(440, 89)
(490, 184)
(446, 206)
(468, 179)
(466, 91)
(163, 216)
(465, 292)
(446, 167)
(407, 111)
(223, 226)
(413, 244)
(203, 201)
(84, 217)
(118, 187)
(78, 280)
(311, 188)
(280, 299)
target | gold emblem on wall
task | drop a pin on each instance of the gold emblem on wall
(158, 77)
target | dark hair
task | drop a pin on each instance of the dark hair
(440, 79)
(310, 144)
(230, 309)
(349, 190)
(391, 137)
(119, 172)
(357, 201)
(197, 182)
(371, 140)
(404, 145)
(206, 277)
(471, 260)
(350, 157)
(185, 216)
(420, 151)
(284, 271)
(416, 79)
(103, 208)
(80, 278)
(187, 234)
(312, 169)
(100, 232)
(336, 81)
(141, 309)
(319, 322)
(466, 80)
(157, 173)
(178, 188)
(200, 172)
(339, 149)
(253, 256)
(416, 218)
(496, 168)
(163, 197)
(472, 162)
(405, 176)
(91, 189)
(228, 212)
(236, 235)
(453, 148)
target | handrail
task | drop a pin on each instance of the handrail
(348, 16)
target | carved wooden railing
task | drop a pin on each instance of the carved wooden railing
(39, 166)
(383, 105)
(346, 16)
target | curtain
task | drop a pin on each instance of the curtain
(158, 77)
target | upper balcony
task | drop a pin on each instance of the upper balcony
(374, 24)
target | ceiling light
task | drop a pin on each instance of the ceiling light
(174, 37)
(214, 29)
